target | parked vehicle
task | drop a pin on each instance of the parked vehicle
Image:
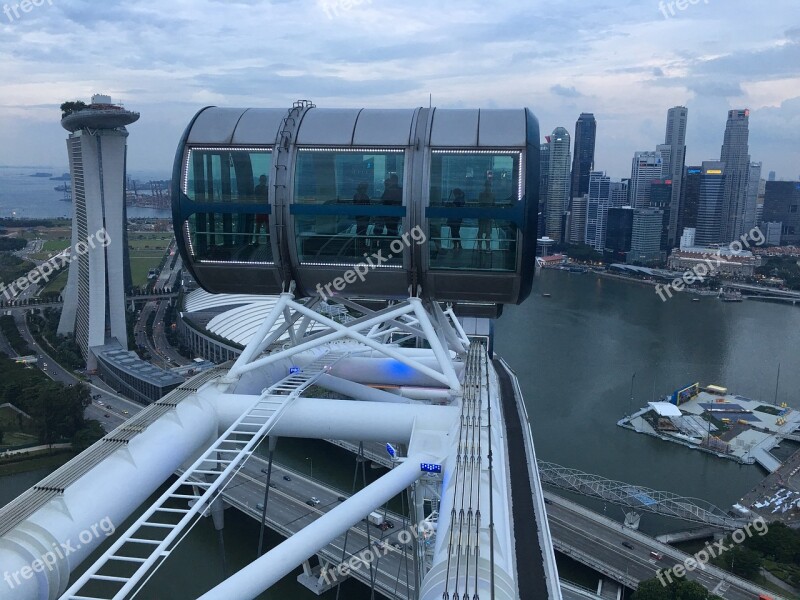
(628, 545)
(376, 518)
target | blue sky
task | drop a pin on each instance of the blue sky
(621, 59)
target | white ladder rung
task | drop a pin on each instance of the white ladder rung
(110, 578)
(127, 559)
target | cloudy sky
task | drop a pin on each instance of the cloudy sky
(623, 60)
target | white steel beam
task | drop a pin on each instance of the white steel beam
(263, 573)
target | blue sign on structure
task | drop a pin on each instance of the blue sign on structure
(391, 450)
(430, 468)
(293, 370)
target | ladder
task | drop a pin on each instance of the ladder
(149, 541)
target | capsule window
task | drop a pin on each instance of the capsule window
(474, 205)
(348, 202)
(228, 190)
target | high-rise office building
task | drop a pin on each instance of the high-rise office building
(94, 298)
(577, 228)
(646, 236)
(583, 156)
(619, 230)
(598, 203)
(646, 167)
(558, 182)
(736, 157)
(690, 198)
(782, 205)
(661, 198)
(544, 178)
(675, 138)
(710, 206)
(751, 198)
(619, 193)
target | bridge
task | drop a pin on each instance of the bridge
(636, 498)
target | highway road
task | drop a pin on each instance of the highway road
(578, 530)
(288, 512)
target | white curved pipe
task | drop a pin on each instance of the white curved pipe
(111, 491)
(284, 558)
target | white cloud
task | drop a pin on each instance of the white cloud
(617, 58)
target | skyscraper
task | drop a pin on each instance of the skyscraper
(661, 198)
(94, 298)
(782, 205)
(619, 230)
(710, 208)
(737, 170)
(583, 157)
(544, 178)
(558, 183)
(619, 193)
(751, 198)
(675, 138)
(646, 236)
(599, 201)
(577, 229)
(646, 167)
(690, 198)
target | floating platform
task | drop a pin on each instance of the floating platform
(712, 420)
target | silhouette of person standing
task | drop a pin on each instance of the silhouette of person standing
(454, 223)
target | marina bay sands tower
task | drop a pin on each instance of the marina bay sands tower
(99, 272)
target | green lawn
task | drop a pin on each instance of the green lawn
(140, 266)
(57, 283)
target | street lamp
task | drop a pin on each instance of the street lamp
(312, 466)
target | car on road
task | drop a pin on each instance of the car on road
(272, 485)
(628, 545)
(310, 503)
(341, 498)
(314, 500)
(125, 412)
(287, 478)
(260, 506)
(107, 415)
(389, 524)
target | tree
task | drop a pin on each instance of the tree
(677, 589)
(67, 108)
(743, 561)
(87, 436)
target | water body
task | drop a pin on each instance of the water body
(574, 353)
(23, 196)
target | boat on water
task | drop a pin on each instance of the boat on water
(546, 295)
(695, 299)
(42, 175)
(731, 296)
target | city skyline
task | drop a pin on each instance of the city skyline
(498, 56)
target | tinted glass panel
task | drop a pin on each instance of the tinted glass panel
(347, 203)
(482, 244)
(230, 237)
(236, 179)
(228, 175)
(487, 179)
(474, 203)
